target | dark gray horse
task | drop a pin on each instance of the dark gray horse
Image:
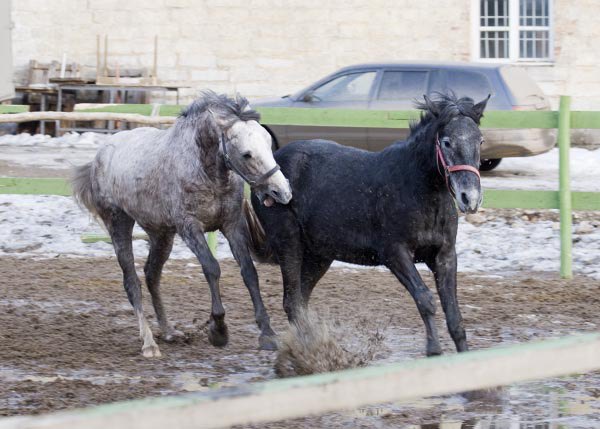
(180, 181)
(391, 208)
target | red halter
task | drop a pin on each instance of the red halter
(450, 168)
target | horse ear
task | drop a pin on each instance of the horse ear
(480, 107)
(431, 106)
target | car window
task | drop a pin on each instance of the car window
(402, 85)
(436, 82)
(350, 87)
(470, 84)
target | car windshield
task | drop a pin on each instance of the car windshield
(350, 87)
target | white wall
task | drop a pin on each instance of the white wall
(274, 47)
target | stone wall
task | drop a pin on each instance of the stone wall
(274, 47)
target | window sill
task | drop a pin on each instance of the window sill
(528, 63)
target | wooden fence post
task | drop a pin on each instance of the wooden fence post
(564, 145)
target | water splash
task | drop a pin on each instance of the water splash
(314, 345)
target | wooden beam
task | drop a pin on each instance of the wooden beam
(138, 109)
(302, 396)
(85, 116)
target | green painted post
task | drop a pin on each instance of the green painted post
(564, 190)
(211, 238)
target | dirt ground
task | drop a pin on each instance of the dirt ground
(68, 337)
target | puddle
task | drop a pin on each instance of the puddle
(12, 375)
(77, 306)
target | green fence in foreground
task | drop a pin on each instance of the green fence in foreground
(564, 120)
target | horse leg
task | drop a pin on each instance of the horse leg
(313, 269)
(161, 244)
(285, 239)
(444, 269)
(120, 227)
(193, 235)
(238, 239)
(402, 265)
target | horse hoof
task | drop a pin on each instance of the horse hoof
(173, 335)
(434, 352)
(267, 342)
(218, 336)
(151, 351)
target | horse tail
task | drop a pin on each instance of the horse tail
(261, 251)
(81, 183)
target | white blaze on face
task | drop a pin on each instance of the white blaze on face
(252, 154)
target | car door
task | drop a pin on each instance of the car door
(397, 90)
(351, 90)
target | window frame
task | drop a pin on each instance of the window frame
(514, 28)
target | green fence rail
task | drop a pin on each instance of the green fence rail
(564, 120)
(376, 118)
(13, 108)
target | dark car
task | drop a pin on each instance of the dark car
(395, 86)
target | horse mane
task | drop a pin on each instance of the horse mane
(442, 108)
(203, 121)
(228, 110)
(436, 112)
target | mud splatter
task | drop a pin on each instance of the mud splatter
(313, 344)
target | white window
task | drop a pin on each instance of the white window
(512, 30)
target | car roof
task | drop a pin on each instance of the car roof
(429, 64)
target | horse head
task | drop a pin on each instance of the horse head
(243, 143)
(458, 140)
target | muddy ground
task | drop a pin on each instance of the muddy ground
(68, 338)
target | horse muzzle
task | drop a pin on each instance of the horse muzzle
(276, 189)
(468, 194)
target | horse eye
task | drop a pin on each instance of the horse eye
(447, 143)
(247, 155)
(482, 142)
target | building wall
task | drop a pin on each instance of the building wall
(274, 47)
(6, 85)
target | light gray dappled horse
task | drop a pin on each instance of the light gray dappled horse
(183, 181)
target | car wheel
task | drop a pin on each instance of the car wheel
(489, 164)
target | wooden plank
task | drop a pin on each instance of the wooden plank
(87, 116)
(138, 109)
(170, 110)
(395, 119)
(103, 238)
(517, 199)
(585, 120)
(301, 396)
(34, 186)
(211, 238)
(519, 119)
(586, 201)
(492, 198)
(336, 117)
(13, 108)
(356, 118)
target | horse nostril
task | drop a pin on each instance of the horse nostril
(274, 193)
(464, 198)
